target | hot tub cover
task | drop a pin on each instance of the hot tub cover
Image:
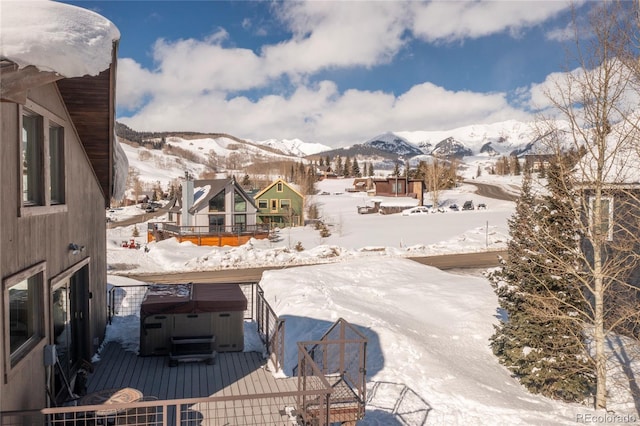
(192, 298)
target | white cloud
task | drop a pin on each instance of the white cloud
(199, 84)
(440, 21)
(322, 114)
(562, 34)
(134, 83)
(337, 34)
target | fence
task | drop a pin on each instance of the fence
(213, 235)
(339, 359)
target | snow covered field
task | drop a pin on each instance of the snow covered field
(428, 359)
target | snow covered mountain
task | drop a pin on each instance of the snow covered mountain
(391, 142)
(485, 140)
(294, 147)
(163, 157)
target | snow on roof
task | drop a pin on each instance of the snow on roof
(622, 156)
(57, 37)
(200, 193)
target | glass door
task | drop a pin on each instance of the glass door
(62, 335)
(70, 318)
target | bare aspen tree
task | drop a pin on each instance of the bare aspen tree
(599, 101)
(432, 176)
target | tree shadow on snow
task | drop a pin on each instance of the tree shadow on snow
(299, 329)
(388, 403)
(627, 377)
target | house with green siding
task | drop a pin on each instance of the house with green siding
(280, 205)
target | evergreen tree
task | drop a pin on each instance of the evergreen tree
(364, 171)
(539, 340)
(371, 171)
(355, 169)
(338, 169)
(347, 167)
(517, 168)
(321, 161)
(396, 169)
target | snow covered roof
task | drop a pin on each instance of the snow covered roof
(621, 158)
(272, 184)
(56, 37)
(42, 42)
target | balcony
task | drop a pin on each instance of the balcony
(239, 388)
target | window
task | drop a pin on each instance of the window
(62, 332)
(263, 204)
(285, 204)
(24, 313)
(606, 217)
(274, 205)
(239, 222)
(239, 203)
(32, 164)
(396, 187)
(56, 163)
(216, 204)
(216, 223)
(279, 187)
(42, 161)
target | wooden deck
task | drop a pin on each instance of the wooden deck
(233, 374)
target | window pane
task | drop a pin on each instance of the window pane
(216, 204)
(56, 164)
(240, 204)
(240, 222)
(24, 312)
(262, 204)
(284, 204)
(62, 333)
(31, 160)
(216, 223)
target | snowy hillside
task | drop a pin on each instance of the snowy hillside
(294, 147)
(477, 147)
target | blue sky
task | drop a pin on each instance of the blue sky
(335, 72)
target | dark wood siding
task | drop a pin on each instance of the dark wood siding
(88, 101)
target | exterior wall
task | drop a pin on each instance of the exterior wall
(297, 204)
(29, 239)
(385, 187)
(412, 188)
(626, 208)
(201, 218)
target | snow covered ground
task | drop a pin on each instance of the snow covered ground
(352, 235)
(428, 359)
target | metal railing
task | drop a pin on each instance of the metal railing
(330, 385)
(257, 409)
(208, 230)
(270, 328)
